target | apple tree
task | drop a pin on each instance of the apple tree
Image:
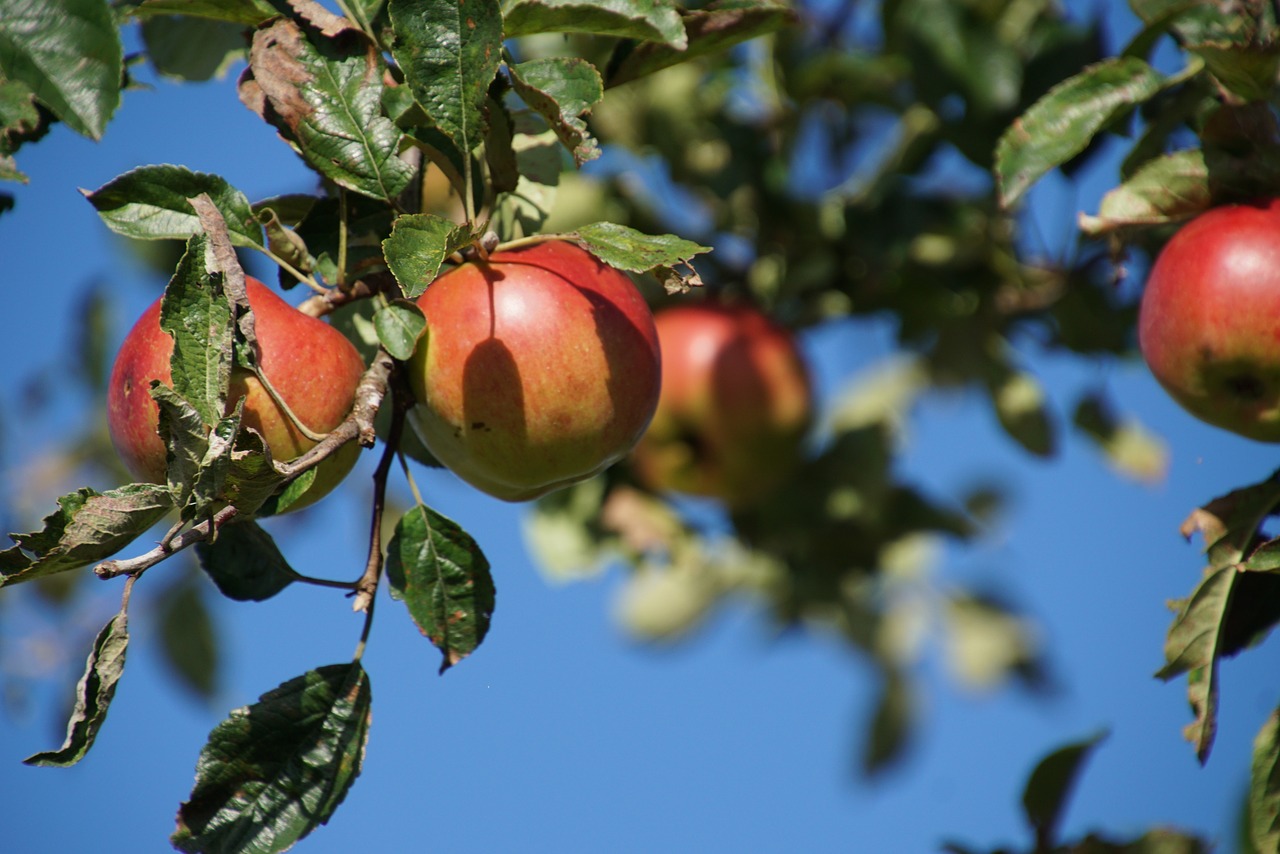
(509, 200)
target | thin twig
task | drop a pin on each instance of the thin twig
(367, 586)
(135, 566)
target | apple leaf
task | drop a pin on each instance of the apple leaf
(186, 439)
(1264, 787)
(20, 122)
(69, 53)
(561, 90)
(1044, 798)
(87, 527)
(196, 49)
(1229, 523)
(324, 95)
(711, 29)
(1193, 646)
(449, 53)
(93, 695)
(247, 12)
(418, 245)
(189, 643)
(245, 563)
(892, 724)
(439, 572)
(628, 249)
(645, 20)
(197, 315)
(1019, 402)
(150, 203)
(399, 323)
(1165, 189)
(285, 243)
(1062, 123)
(1129, 447)
(274, 771)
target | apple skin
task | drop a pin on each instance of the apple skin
(1209, 321)
(313, 367)
(736, 405)
(539, 368)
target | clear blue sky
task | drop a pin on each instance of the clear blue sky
(559, 734)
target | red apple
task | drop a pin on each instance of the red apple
(539, 368)
(1209, 322)
(736, 404)
(311, 365)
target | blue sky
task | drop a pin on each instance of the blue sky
(562, 735)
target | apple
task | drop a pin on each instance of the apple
(1209, 321)
(311, 365)
(735, 407)
(539, 368)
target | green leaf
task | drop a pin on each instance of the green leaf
(1229, 523)
(444, 580)
(711, 30)
(285, 243)
(150, 203)
(1019, 402)
(193, 48)
(1166, 189)
(245, 563)
(20, 122)
(1249, 71)
(251, 482)
(417, 247)
(1193, 646)
(1264, 787)
(245, 12)
(324, 94)
(1044, 799)
(645, 20)
(399, 324)
(628, 249)
(88, 526)
(93, 695)
(274, 771)
(69, 53)
(891, 726)
(197, 314)
(188, 643)
(1062, 123)
(186, 439)
(1129, 447)
(561, 90)
(450, 53)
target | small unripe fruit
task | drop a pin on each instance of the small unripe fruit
(1209, 322)
(539, 368)
(735, 407)
(311, 365)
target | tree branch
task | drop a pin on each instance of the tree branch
(195, 534)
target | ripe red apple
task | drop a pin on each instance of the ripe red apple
(539, 368)
(1209, 322)
(735, 407)
(311, 365)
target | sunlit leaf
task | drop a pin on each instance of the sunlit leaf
(274, 771)
(627, 249)
(645, 20)
(450, 53)
(710, 30)
(399, 324)
(69, 53)
(1062, 123)
(150, 203)
(418, 245)
(88, 526)
(562, 89)
(325, 95)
